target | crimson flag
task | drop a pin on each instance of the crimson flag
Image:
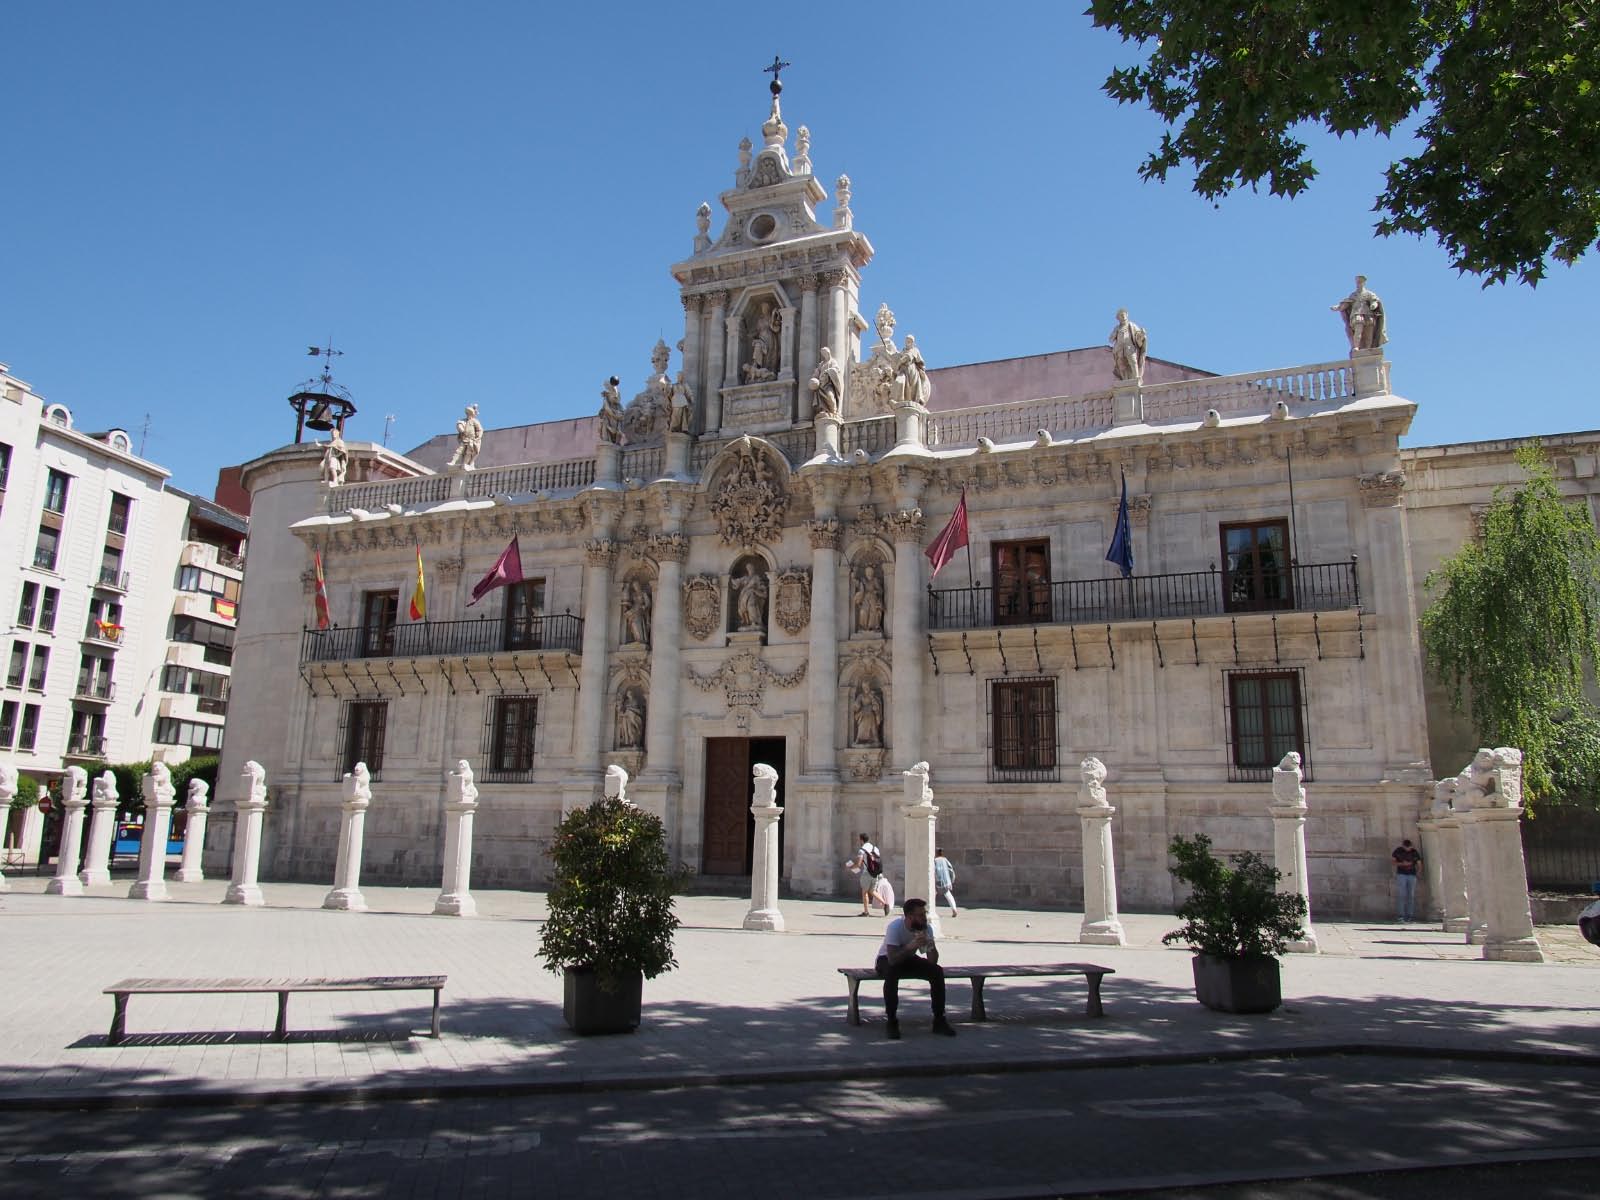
(951, 538)
(323, 619)
(507, 569)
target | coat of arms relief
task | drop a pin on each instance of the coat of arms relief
(750, 505)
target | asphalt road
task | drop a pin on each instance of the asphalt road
(1322, 1129)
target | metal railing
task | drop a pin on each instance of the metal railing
(103, 631)
(117, 581)
(443, 639)
(84, 746)
(227, 558)
(103, 692)
(1314, 587)
(44, 558)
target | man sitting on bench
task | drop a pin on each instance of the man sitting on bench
(908, 952)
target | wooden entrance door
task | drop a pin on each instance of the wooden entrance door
(725, 845)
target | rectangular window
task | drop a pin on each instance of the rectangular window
(44, 551)
(1256, 572)
(88, 733)
(8, 724)
(5, 465)
(1023, 746)
(170, 731)
(47, 610)
(19, 664)
(41, 665)
(379, 611)
(1022, 582)
(209, 583)
(512, 721)
(30, 727)
(525, 615)
(186, 681)
(111, 567)
(1266, 720)
(27, 605)
(55, 492)
(117, 522)
(363, 742)
(94, 677)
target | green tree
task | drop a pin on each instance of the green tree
(1514, 627)
(1503, 95)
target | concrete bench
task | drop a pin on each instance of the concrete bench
(1092, 975)
(121, 990)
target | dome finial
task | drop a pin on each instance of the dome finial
(774, 131)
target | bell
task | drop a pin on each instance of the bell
(320, 417)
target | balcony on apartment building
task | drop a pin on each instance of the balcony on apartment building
(86, 745)
(113, 579)
(98, 691)
(107, 633)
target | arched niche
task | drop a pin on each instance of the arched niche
(749, 593)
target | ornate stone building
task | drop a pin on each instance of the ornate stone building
(730, 569)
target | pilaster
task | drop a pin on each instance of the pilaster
(711, 382)
(906, 635)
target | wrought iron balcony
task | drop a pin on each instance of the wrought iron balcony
(84, 745)
(444, 639)
(114, 580)
(1313, 587)
(103, 631)
(100, 692)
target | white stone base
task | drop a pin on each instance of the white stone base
(1520, 950)
(1477, 937)
(90, 876)
(1305, 945)
(1455, 925)
(247, 894)
(154, 889)
(1102, 933)
(766, 919)
(345, 900)
(64, 886)
(189, 875)
(455, 904)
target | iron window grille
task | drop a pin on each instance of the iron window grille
(509, 735)
(1024, 746)
(362, 724)
(1267, 718)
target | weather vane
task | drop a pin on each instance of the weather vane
(775, 70)
(327, 354)
(321, 404)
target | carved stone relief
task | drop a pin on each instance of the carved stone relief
(702, 597)
(749, 507)
(744, 678)
(791, 600)
(1382, 490)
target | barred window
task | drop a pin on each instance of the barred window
(364, 724)
(509, 738)
(1266, 720)
(1023, 716)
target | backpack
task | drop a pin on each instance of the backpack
(874, 861)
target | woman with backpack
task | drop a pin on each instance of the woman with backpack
(867, 862)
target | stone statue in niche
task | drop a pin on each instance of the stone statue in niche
(765, 330)
(911, 383)
(637, 603)
(827, 386)
(1128, 345)
(469, 440)
(335, 461)
(1363, 317)
(682, 406)
(611, 412)
(750, 599)
(866, 598)
(630, 719)
(866, 716)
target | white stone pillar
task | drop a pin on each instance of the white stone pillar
(691, 344)
(600, 555)
(1101, 924)
(75, 797)
(1389, 598)
(455, 896)
(346, 894)
(764, 912)
(711, 388)
(102, 830)
(730, 355)
(838, 314)
(1493, 822)
(1432, 855)
(243, 888)
(1452, 859)
(1366, 366)
(158, 798)
(1477, 925)
(1288, 809)
(906, 633)
(8, 793)
(607, 463)
(808, 327)
(32, 834)
(194, 832)
(921, 830)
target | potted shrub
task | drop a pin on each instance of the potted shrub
(611, 920)
(1237, 923)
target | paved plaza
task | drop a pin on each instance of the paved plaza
(741, 1007)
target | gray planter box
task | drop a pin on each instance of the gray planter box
(1237, 985)
(588, 1008)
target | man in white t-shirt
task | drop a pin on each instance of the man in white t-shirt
(860, 864)
(907, 951)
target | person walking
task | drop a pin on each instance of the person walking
(944, 880)
(866, 864)
(1405, 859)
(908, 952)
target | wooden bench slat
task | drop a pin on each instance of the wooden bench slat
(1092, 973)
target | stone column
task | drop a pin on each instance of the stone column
(1388, 595)
(194, 833)
(691, 345)
(1432, 856)
(1101, 925)
(1288, 809)
(661, 780)
(1476, 927)
(346, 894)
(1493, 822)
(600, 556)
(906, 632)
(809, 344)
(74, 798)
(788, 333)
(158, 799)
(730, 355)
(243, 888)
(711, 386)
(1452, 859)
(102, 830)
(32, 834)
(921, 831)
(455, 897)
(838, 314)
(827, 428)
(764, 912)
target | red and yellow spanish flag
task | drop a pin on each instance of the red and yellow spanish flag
(419, 599)
(323, 619)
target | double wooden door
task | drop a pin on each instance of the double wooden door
(729, 832)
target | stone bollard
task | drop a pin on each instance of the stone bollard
(1476, 926)
(455, 896)
(243, 888)
(8, 793)
(346, 894)
(1101, 925)
(1493, 821)
(158, 797)
(102, 830)
(75, 797)
(194, 833)
(1432, 859)
(764, 912)
(1452, 858)
(1288, 809)
(921, 834)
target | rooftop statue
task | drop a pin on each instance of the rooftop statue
(611, 412)
(1363, 317)
(469, 439)
(682, 418)
(911, 383)
(1128, 348)
(335, 461)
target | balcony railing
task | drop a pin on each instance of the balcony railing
(1314, 587)
(46, 558)
(84, 745)
(101, 693)
(227, 558)
(103, 631)
(114, 579)
(442, 639)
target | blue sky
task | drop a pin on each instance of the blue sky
(479, 202)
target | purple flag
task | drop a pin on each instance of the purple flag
(507, 569)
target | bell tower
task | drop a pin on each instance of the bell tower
(775, 286)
